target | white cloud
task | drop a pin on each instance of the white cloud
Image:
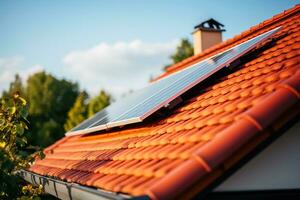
(117, 67)
(10, 66)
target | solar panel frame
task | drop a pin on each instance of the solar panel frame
(92, 124)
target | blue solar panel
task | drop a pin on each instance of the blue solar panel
(144, 102)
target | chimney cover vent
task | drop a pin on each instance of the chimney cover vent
(210, 25)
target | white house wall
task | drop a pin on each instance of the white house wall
(276, 167)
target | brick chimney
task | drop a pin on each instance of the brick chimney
(207, 34)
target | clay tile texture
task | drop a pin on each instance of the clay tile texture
(166, 157)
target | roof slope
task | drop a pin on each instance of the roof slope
(163, 158)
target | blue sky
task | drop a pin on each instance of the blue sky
(112, 45)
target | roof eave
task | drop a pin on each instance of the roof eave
(65, 190)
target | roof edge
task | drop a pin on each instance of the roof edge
(65, 190)
(256, 119)
(269, 109)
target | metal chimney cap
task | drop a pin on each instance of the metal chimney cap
(210, 25)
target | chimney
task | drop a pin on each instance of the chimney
(207, 34)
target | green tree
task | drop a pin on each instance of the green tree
(14, 149)
(50, 100)
(14, 87)
(98, 103)
(184, 50)
(78, 112)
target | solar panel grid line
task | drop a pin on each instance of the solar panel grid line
(163, 90)
(146, 99)
(203, 70)
(86, 121)
(136, 120)
(139, 120)
(158, 96)
(119, 122)
(180, 81)
(191, 68)
(113, 119)
(94, 122)
(120, 107)
(182, 90)
(144, 102)
(175, 86)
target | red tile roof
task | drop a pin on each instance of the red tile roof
(165, 158)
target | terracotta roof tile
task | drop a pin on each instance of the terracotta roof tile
(164, 158)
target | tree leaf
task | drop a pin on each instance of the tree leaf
(19, 129)
(2, 144)
(23, 101)
(12, 110)
(24, 112)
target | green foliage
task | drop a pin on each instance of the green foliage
(184, 50)
(14, 149)
(53, 105)
(98, 103)
(15, 87)
(50, 100)
(78, 112)
(82, 108)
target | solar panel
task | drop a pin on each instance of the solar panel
(144, 102)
